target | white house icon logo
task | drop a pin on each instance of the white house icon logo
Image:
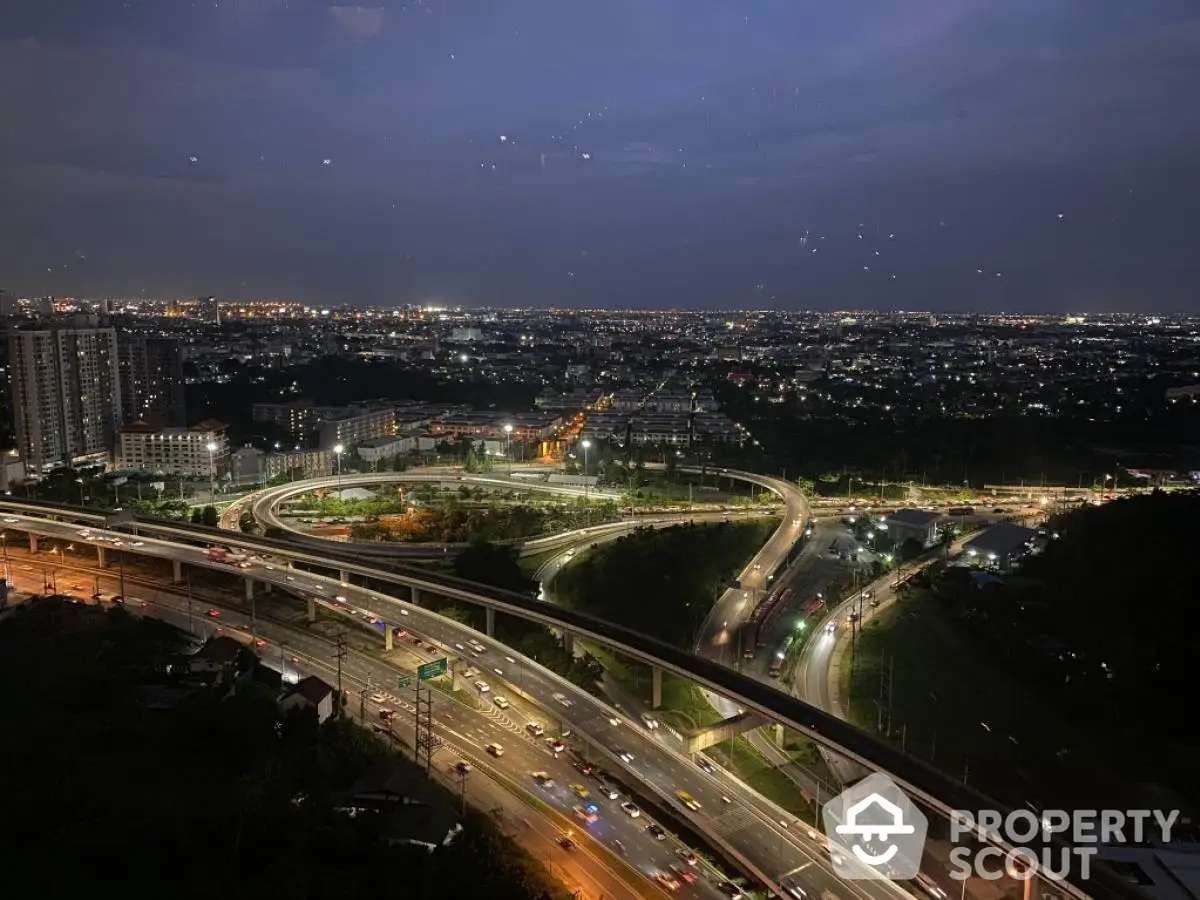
(881, 828)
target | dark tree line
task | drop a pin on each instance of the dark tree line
(215, 797)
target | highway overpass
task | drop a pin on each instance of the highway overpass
(922, 782)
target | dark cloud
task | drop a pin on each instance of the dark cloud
(653, 151)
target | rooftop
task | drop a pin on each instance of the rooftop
(1001, 539)
(914, 518)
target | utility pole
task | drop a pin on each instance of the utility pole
(339, 655)
(462, 793)
(362, 700)
(891, 686)
(191, 627)
(425, 717)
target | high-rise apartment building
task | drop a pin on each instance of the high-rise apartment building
(151, 380)
(66, 393)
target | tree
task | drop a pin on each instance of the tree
(210, 517)
(197, 516)
(491, 564)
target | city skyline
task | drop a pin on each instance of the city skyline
(961, 155)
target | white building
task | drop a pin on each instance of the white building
(174, 451)
(309, 693)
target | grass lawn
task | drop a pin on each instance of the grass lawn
(805, 754)
(753, 768)
(530, 564)
(949, 707)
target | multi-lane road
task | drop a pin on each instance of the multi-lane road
(745, 826)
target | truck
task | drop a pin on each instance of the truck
(812, 606)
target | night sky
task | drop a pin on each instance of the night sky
(901, 154)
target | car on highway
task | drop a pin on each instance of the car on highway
(565, 842)
(556, 745)
(731, 890)
(462, 767)
(687, 856)
(685, 875)
(562, 700)
(651, 722)
(482, 686)
(543, 779)
(535, 729)
(631, 809)
(793, 889)
(624, 755)
(588, 814)
(10, 520)
(667, 881)
(139, 544)
(213, 614)
(706, 765)
(580, 791)
(501, 702)
(930, 887)
(656, 832)
(495, 749)
(687, 800)
(831, 628)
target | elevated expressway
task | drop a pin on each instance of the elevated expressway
(763, 841)
(264, 506)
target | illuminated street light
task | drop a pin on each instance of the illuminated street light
(338, 450)
(212, 472)
(508, 430)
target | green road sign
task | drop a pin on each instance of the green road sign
(432, 669)
(404, 681)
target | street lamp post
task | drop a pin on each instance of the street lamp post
(586, 444)
(508, 429)
(212, 472)
(338, 450)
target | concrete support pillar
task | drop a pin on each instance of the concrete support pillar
(100, 560)
(655, 687)
(387, 636)
(177, 571)
(778, 735)
(312, 610)
(344, 576)
(490, 626)
(568, 640)
(414, 597)
(249, 588)
(33, 542)
(266, 586)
